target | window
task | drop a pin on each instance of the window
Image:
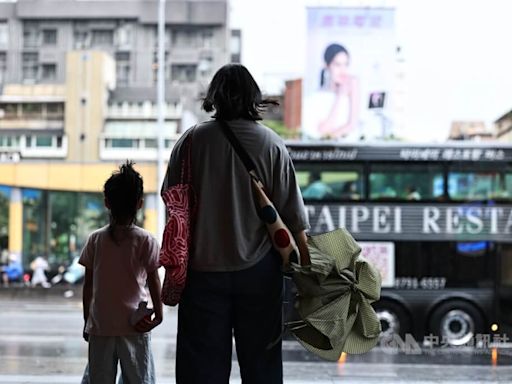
(123, 68)
(49, 36)
(483, 183)
(30, 66)
(4, 34)
(167, 37)
(81, 39)
(39, 141)
(34, 223)
(122, 143)
(205, 66)
(185, 73)
(406, 182)
(330, 182)
(44, 141)
(155, 66)
(150, 143)
(123, 36)
(184, 38)
(9, 141)
(32, 110)
(3, 66)
(10, 110)
(207, 38)
(455, 264)
(49, 71)
(236, 47)
(30, 35)
(102, 38)
(55, 110)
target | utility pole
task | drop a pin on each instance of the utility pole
(160, 117)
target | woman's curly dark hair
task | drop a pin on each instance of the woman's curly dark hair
(234, 94)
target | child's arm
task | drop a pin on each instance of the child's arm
(154, 285)
(86, 298)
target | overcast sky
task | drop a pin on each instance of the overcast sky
(457, 52)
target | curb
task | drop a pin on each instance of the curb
(40, 293)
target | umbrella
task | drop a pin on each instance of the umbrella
(334, 296)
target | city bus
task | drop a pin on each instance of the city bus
(435, 219)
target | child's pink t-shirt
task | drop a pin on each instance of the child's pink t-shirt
(119, 277)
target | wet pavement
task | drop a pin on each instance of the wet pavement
(40, 342)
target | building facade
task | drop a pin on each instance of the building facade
(503, 127)
(293, 104)
(470, 130)
(78, 97)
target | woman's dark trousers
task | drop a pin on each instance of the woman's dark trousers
(216, 306)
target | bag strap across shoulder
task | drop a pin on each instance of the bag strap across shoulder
(239, 149)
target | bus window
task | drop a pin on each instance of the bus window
(406, 182)
(435, 265)
(506, 265)
(324, 182)
(484, 183)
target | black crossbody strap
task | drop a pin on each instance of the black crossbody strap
(239, 150)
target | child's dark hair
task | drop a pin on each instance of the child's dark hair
(123, 191)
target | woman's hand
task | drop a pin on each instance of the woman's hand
(85, 335)
(146, 324)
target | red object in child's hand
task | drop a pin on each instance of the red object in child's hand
(142, 313)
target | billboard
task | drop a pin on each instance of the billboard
(382, 256)
(350, 69)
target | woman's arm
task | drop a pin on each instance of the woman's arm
(330, 127)
(354, 102)
(302, 242)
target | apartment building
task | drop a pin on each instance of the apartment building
(36, 37)
(78, 96)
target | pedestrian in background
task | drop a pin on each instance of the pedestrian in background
(39, 266)
(13, 271)
(120, 259)
(234, 281)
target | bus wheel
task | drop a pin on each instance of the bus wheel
(394, 320)
(456, 322)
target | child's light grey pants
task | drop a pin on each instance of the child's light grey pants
(133, 352)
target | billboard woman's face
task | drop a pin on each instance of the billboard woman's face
(338, 68)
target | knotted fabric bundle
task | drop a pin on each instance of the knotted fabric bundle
(334, 298)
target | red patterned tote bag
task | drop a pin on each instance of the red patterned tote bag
(180, 201)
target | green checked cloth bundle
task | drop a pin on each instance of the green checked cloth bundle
(334, 298)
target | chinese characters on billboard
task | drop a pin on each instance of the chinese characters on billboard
(349, 73)
(382, 256)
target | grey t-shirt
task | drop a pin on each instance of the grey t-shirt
(228, 234)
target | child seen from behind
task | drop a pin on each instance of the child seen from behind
(120, 259)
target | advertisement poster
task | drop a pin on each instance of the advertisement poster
(350, 69)
(382, 256)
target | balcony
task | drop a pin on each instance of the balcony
(135, 140)
(35, 145)
(142, 111)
